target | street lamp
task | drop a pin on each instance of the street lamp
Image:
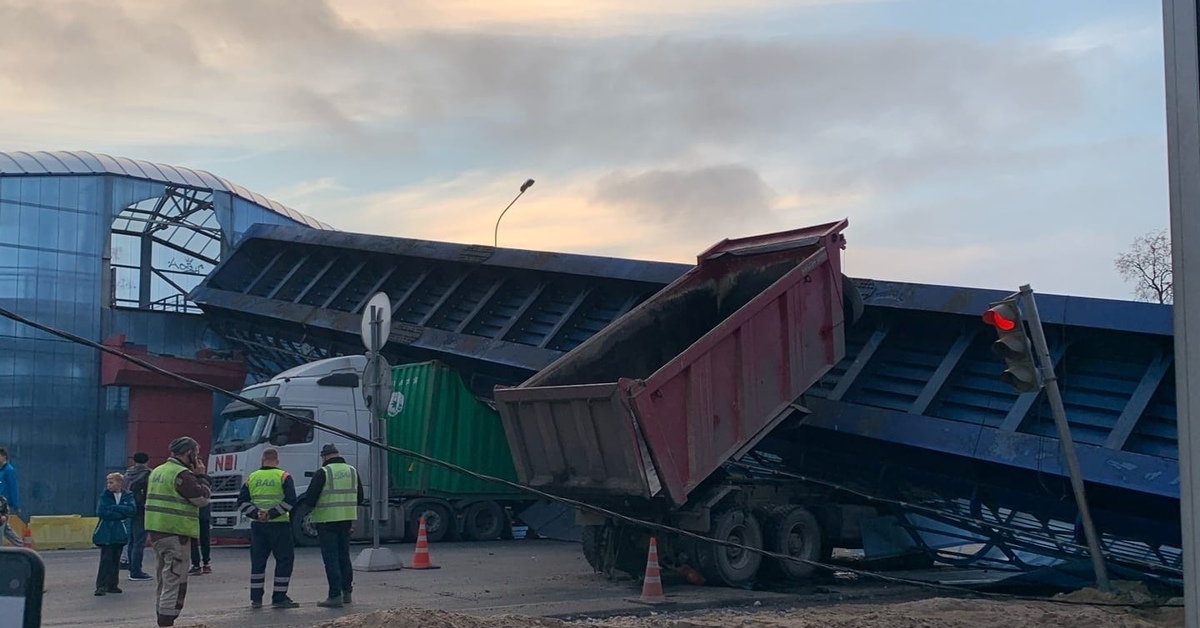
(496, 236)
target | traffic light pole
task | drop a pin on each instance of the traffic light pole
(1050, 381)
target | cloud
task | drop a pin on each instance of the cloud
(431, 114)
(695, 198)
(534, 16)
(308, 188)
(558, 214)
(300, 71)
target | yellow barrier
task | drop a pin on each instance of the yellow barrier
(62, 532)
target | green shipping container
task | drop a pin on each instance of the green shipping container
(438, 416)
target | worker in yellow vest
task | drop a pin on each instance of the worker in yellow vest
(334, 495)
(267, 499)
(174, 494)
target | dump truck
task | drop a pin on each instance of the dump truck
(643, 417)
(431, 411)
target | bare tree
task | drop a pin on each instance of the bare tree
(1147, 264)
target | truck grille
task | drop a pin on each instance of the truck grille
(224, 513)
(226, 483)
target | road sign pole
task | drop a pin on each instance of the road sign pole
(1050, 381)
(376, 388)
(377, 466)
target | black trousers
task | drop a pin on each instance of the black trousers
(205, 543)
(335, 553)
(109, 572)
(266, 540)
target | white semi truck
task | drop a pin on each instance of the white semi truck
(329, 391)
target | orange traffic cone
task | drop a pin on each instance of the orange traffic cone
(652, 590)
(27, 538)
(421, 556)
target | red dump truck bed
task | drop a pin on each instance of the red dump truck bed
(656, 401)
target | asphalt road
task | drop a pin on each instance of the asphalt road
(527, 577)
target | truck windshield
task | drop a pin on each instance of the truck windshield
(243, 430)
(240, 433)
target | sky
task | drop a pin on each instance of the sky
(969, 142)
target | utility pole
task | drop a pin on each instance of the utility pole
(1181, 49)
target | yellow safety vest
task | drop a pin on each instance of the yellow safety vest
(166, 510)
(339, 497)
(266, 490)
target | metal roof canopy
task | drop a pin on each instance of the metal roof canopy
(65, 163)
(504, 313)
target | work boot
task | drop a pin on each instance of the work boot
(255, 603)
(331, 602)
(285, 602)
(346, 597)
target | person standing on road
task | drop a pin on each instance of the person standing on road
(115, 508)
(137, 478)
(203, 548)
(11, 492)
(178, 489)
(334, 494)
(267, 499)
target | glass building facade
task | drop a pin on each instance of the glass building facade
(99, 246)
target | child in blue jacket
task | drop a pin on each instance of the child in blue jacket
(115, 508)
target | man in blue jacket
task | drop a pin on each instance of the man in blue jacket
(11, 494)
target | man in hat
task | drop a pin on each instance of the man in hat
(176, 491)
(137, 479)
(334, 495)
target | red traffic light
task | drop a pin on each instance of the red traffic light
(1000, 318)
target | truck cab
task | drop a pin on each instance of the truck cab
(328, 391)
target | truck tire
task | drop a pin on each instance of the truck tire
(795, 532)
(733, 567)
(438, 520)
(483, 521)
(303, 531)
(592, 538)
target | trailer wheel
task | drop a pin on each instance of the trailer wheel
(735, 567)
(592, 538)
(795, 532)
(437, 520)
(482, 521)
(303, 530)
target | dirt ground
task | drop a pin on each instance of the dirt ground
(929, 613)
(1087, 608)
(932, 613)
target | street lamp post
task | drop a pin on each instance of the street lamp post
(496, 236)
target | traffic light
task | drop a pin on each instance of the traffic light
(1013, 345)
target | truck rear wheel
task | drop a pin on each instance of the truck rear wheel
(483, 521)
(732, 566)
(303, 530)
(437, 520)
(795, 532)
